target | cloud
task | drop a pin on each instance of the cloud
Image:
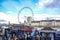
(12, 19)
(45, 16)
(48, 3)
(10, 12)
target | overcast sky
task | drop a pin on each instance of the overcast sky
(41, 8)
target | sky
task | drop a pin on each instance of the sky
(42, 9)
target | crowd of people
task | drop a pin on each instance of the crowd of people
(23, 35)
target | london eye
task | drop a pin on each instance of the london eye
(19, 14)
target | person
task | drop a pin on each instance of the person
(6, 34)
(29, 36)
(21, 37)
(13, 34)
(37, 36)
(46, 37)
(1, 34)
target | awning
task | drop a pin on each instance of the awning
(26, 28)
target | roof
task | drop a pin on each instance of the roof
(47, 28)
(49, 20)
(45, 21)
(35, 21)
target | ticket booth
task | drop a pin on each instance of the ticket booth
(47, 33)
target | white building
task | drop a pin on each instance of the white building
(46, 23)
(35, 23)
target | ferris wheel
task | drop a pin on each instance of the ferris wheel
(19, 14)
